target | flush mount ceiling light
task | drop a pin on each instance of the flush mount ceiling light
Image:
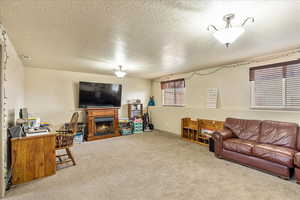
(26, 58)
(119, 72)
(229, 34)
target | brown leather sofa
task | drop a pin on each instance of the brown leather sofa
(266, 145)
(297, 160)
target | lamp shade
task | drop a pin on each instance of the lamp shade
(120, 74)
(228, 35)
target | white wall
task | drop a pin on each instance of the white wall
(14, 84)
(234, 99)
(14, 92)
(53, 95)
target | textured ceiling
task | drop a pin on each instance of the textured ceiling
(150, 38)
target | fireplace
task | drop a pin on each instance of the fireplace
(102, 123)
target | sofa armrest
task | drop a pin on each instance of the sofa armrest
(223, 134)
(297, 159)
(219, 137)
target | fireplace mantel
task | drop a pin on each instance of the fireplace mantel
(106, 113)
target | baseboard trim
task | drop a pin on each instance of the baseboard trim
(167, 132)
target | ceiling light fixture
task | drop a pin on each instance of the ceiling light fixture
(119, 72)
(26, 58)
(229, 34)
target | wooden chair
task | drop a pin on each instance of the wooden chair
(64, 140)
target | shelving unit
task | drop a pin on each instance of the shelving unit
(135, 111)
(200, 130)
(190, 129)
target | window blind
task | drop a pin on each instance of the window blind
(293, 86)
(268, 87)
(276, 86)
(173, 92)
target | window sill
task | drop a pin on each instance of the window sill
(275, 109)
(173, 105)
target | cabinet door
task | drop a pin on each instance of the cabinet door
(33, 157)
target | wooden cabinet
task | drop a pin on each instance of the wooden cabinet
(199, 130)
(33, 157)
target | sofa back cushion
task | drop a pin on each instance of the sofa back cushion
(243, 128)
(279, 133)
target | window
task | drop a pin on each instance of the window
(173, 92)
(276, 86)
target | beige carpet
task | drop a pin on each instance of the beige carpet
(154, 166)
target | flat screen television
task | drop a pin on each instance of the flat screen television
(99, 95)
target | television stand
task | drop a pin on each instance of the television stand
(102, 123)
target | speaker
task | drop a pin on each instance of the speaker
(23, 114)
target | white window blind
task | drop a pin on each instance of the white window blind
(293, 86)
(268, 87)
(169, 96)
(173, 92)
(276, 86)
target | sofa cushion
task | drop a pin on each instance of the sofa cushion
(239, 145)
(244, 129)
(277, 154)
(297, 159)
(279, 133)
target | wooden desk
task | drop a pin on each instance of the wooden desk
(33, 157)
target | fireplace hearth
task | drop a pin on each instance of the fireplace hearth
(102, 123)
